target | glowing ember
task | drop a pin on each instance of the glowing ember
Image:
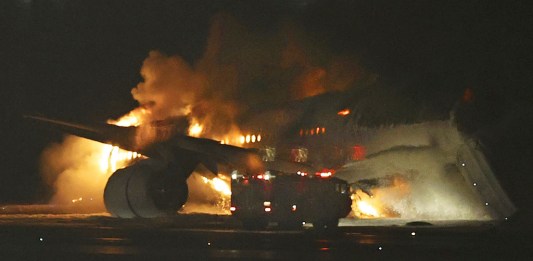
(133, 118)
(343, 112)
(195, 130)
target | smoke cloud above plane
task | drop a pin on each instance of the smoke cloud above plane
(238, 69)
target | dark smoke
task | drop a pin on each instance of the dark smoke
(241, 68)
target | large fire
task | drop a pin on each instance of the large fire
(114, 157)
(215, 190)
(218, 185)
(366, 206)
(79, 169)
(211, 194)
(371, 204)
(134, 118)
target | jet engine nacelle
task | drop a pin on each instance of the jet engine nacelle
(147, 189)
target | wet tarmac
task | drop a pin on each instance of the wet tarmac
(220, 237)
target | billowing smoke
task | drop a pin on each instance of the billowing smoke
(72, 169)
(170, 86)
(240, 68)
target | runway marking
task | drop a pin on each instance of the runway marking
(204, 230)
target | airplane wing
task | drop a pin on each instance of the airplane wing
(104, 133)
(198, 150)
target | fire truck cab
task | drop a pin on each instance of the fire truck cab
(289, 199)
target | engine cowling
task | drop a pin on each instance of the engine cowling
(147, 189)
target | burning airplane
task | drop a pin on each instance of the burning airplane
(402, 157)
(410, 168)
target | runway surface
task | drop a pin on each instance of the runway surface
(60, 236)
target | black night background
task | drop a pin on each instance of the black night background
(78, 60)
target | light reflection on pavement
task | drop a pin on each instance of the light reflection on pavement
(202, 236)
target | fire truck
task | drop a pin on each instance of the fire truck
(289, 199)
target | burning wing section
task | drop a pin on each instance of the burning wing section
(156, 185)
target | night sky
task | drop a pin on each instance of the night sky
(78, 60)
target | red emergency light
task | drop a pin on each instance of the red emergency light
(359, 152)
(325, 173)
(301, 173)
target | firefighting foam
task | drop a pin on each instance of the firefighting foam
(416, 172)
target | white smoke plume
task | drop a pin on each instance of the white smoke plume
(72, 169)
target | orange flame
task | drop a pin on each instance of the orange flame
(113, 158)
(219, 185)
(196, 128)
(374, 205)
(109, 159)
(134, 118)
(365, 206)
(343, 112)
